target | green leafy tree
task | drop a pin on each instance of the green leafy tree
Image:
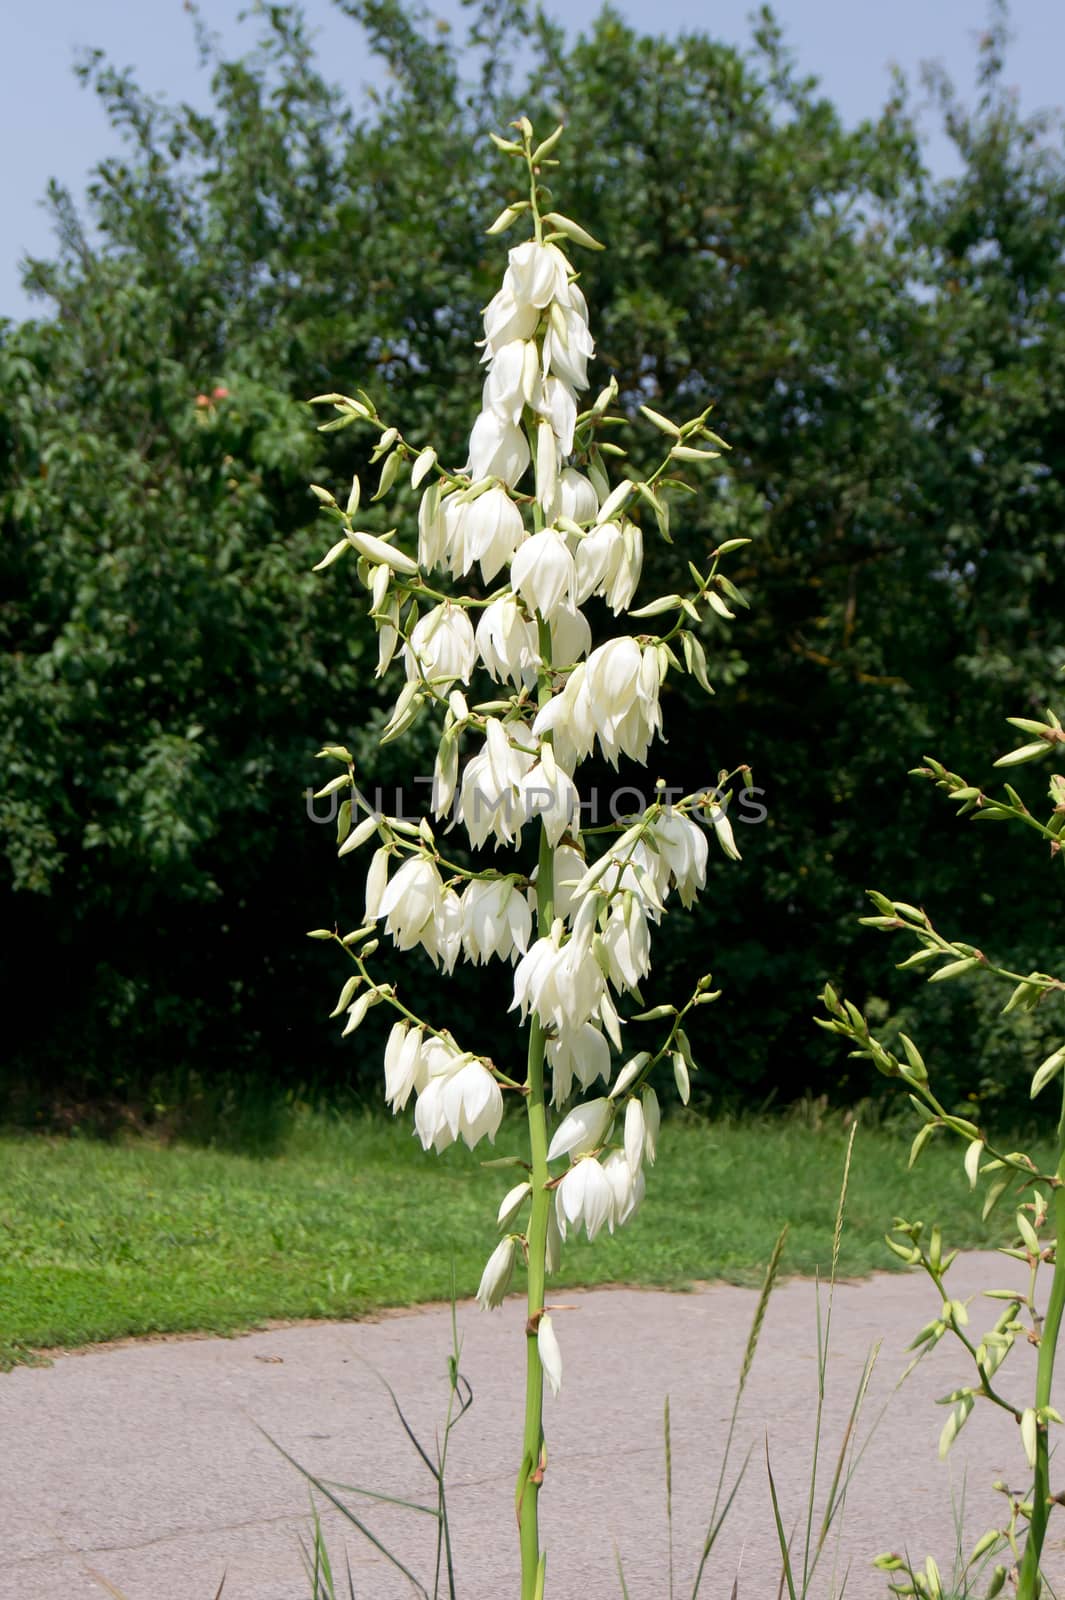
(887, 347)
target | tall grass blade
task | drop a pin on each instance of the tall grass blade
(843, 1473)
(346, 1512)
(714, 1526)
(376, 1494)
(407, 1429)
(824, 1336)
(460, 1390)
(321, 1558)
(785, 1554)
(316, 1563)
(621, 1575)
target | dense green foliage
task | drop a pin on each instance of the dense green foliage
(125, 1238)
(886, 352)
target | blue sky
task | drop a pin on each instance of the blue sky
(51, 127)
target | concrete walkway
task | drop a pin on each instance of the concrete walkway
(144, 1463)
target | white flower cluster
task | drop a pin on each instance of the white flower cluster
(457, 1097)
(552, 544)
(595, 1191)
(601, 941)
(492, 917)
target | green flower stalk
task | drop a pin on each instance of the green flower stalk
(522, 695)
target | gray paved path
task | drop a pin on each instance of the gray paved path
(144, 1463)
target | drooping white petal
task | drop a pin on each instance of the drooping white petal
(506, 319)
(504, 386)
(584, 1198)
(582, 1129)
(495, 1279)
(571, 637)
(550, 1354)
(537, 274)
(507, 642)
(652, 1118)
(376, 880)
(512, 1203)
(498, 449)
(494, 530)
(543, 572)
(619, 1176)
(442, 647)
(635, 1134)
(559, 405)
(580, 503)
(552, 797)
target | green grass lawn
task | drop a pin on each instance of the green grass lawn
(101, 1240)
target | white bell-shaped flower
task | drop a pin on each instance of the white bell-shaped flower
(506, 383)
(490, 796)
(537, 274)
(411, 902)
(473, 1104)
(584, 1198)
(577, 496)
(432, 530)
(568, 717)
(461, 1099)
(622, 684)
(404, 1068)
(550, 794)
(376, 882)
(446, 947)
(496, 920)
(612, 677)
(562, 983)
(624, 569)
(582, 1129)
(577, 1053)
(627, 941)
(628, 1187)
(493, 530)
(594, 555)
(558, 403)
(543, 573)
(507, 319)
(570, 867)
(568, 345)
(498, 1271)
(652, 874)
(498, 449)
(442, 647)
(571, 637)
(507, 642)
(549, 1352)
(635, 1134)
(610, 562)
(682, 845)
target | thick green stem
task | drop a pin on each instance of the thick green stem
(532, 1443)
(1028, 1584)
(531, 1473)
